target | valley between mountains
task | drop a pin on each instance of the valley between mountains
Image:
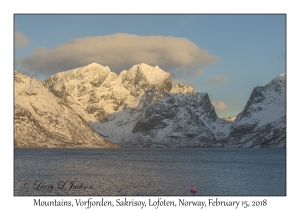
(92, 107)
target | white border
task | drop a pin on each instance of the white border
(8, 8)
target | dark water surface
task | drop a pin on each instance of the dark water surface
(152, 172)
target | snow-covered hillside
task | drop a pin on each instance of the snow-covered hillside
(42, 120)
(263, 119)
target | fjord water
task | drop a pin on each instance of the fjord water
(152, 172)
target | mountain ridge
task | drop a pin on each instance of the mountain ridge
(140, 108)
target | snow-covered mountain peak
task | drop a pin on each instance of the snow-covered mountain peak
(94, 64)
(141, 77)
(95, 91)
(266, 104)
(93, 74)
(229, 119)
(154, 75)
(182, 88)
(19, 77)
(278, 85)
(91, 70)
(94, 67)
(122, 73)
(281, 77)
(25, 84)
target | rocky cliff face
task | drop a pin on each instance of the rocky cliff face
(42, 120)
(178, 120)
(139, 108)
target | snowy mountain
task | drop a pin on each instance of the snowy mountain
(262, 123)
(178, 120)
(184, 118)
(140, 108)
(95, 92)
(42, 120)
(230, 119)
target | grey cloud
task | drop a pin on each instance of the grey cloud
(220, 105)
(217, 80)
(179, 56)
(183, 81)
(20, 39)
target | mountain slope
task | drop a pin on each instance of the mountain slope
(184, 118)
(263, 118)
(41, 120)
(181, 120)
(139, 108)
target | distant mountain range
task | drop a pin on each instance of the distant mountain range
(94, 107)
(230, 119)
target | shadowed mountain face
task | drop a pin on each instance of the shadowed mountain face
(43, 120)
(139, 108)
(179, 120)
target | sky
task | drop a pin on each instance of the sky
(223, 55)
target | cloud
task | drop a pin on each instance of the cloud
(20, 39)
(220, 105)
(183, 81)
(217, 80)
(179, 56)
